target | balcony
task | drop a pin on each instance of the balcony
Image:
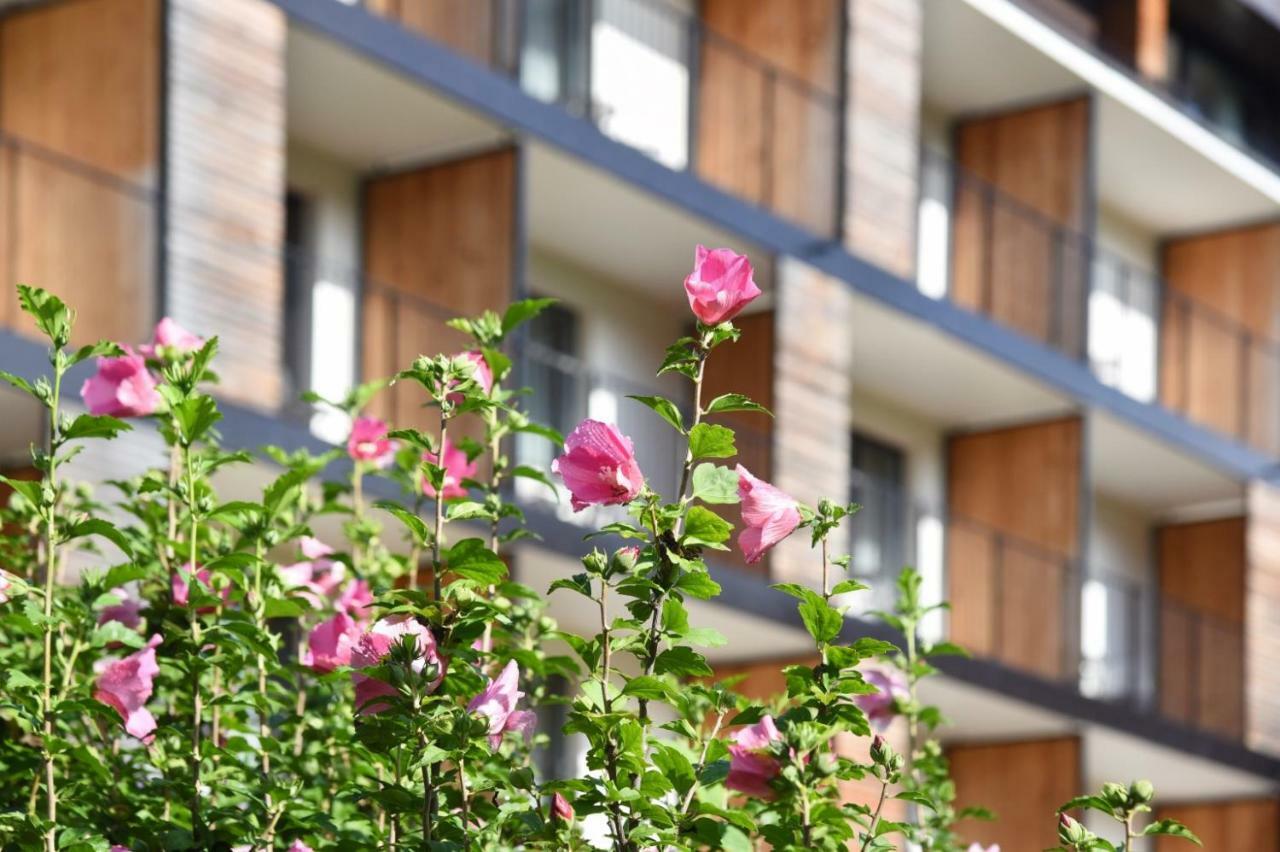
(1107, 633)
(1191, 344)
(751, 103)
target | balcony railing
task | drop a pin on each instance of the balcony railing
(994, 254)
(1112, 636)
(658, 78)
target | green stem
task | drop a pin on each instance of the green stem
(51, 570)
(875, 817)
(197, 700)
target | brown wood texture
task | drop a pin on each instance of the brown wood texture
(1201, 569)
(1137, 31)
(766, 110)
(464, 25)
(1014, 498)
(1252, 825)
(1220, 332)
(438, 243)
(1022, 782)
(79, 86)
(1021, 191)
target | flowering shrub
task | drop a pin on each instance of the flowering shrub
(225, 679)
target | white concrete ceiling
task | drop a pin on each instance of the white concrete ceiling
(1155, 166)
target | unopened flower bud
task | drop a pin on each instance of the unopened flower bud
(1115, 794)
(1141, 792)
(878, 750)
(1070, 831)
(560, 808)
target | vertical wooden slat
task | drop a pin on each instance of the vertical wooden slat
(1019, 781)
(1252, 824)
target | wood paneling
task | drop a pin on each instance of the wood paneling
(766, 104)
(466, 26)
(438, 244)
(1220, 327)
(1014, 497)
(1024, 783)
(1023, 178)
(79, 85)
(1202, 591)
(1226, 826)
(1137, 32)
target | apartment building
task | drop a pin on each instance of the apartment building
(1022, 266)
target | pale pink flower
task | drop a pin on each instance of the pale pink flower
(116, 847)
(372, 648)
(497, 703)
(9, 586)
(330, 643)
(720, 285)
(598, 466)
(122, 387)
(768, 515)
(126, 685)
(456, 468)
(181, 591)
(751, 767)
(369, 442)
(299, 846)
(483, 375)
(880, 706)
(561, 808)
(128, 611)
(169, 335)
(355, 599)
(978, 847)
(319, 575)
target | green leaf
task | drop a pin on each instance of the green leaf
(682, 661)
(734, 402)
(945, 649)
(99, 527)
(648, 688)
(470, 558)
(52, 317)
(468, 510)
(709, 441)
(194, 416)
(665, 408)
(523, 311)
(705, 527)
(28, 488)
(1171, 828)
(846, 586)
(526, 472)
(101, 349)
(579, 583)
(698, 584)
(674, 765)
(94, 426)
(416, 526)
(715, 484)
(822, 621)
(19, 383)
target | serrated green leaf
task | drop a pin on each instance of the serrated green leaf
(416, 526)
(194, 417)
(710, 441)
(715, 484)
(682, 661)
(698, 584)
(734, 402)
(703, 526)
(846, 586)
(523, 311)
(1171, 828)
(664, 408)
(470, 558)
(51, 316)
(98, 527)
(648, 688)
(94, 426)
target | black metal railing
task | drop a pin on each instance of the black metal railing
(1201, 668)
(658, 78)
(1012, 262)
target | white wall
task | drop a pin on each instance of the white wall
(334, 242)
(1123, 306)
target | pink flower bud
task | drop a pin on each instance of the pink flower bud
(561, 808)
(720, 285)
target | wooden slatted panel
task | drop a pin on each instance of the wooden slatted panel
(438, 244)
(1252, 825)
(1202, 570)
(1014, 503)
(78, 110)
(746, 367)
(1025, 177)
(1220, 344)
(1023, 782)
(766, 123)
(464, 25)
(1137, 31)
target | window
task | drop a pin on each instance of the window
(553, 372)
(880, 539)
(553, 60)
(297, 295)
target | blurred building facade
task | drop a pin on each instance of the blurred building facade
(1022, 273)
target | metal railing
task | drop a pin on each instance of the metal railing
(1014, 263)
(658, 78)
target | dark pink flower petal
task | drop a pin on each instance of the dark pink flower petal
(330, 644)
(483, 375)
(122, 387)
(126, 685)
(369, 442)
(720, 286)
(751, 768)
(768, 515)
(169, 335)
(598, 466)
(561, 808)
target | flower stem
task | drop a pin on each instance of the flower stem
(702, 764)
(610, 753)
(875, 817)
(50, 573)
(197, 701)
